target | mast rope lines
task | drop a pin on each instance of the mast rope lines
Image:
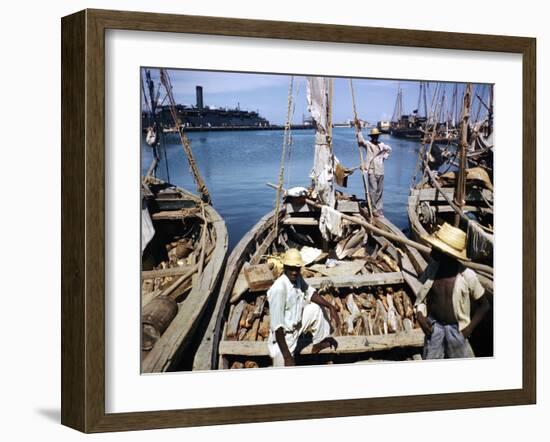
(201, 186)
(460, 183)
(286, 142)
(427, 143)
(290, 139)
(362, 164)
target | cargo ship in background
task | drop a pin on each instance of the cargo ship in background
(201, 117)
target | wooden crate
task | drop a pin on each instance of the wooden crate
(259, 277)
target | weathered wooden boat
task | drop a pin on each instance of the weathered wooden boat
(184, 247)
(373, 275)
(429, 206)
(463, 198)
(181, 267)
(372, 280)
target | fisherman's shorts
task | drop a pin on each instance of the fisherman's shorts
(446, 341)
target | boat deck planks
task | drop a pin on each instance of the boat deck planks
(300, 221)
(205, 357)
(346, 206)
(434, 195)
(358, 280)
(346, 344)
(168, 348)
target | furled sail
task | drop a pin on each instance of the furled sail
(318, 97)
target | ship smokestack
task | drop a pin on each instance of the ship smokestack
(199, 97)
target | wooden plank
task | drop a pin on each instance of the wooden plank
(300, 221)
(163, 273)
(448, 209)
(259, 277)
(347, 206)
(173, 215)
(431, 194)
(233, 323)
(358, 280)
(263, 248)
(346, 344)
(167, 204)
(168, 351)
(342, 269)
(295, 208)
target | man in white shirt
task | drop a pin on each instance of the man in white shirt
(377, 153)
(295, 309)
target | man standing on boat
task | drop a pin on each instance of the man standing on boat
(295, 309)
(443, 303)
(377, 153)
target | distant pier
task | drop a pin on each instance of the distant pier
(169, 130)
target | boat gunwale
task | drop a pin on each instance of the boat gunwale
(166, 354)
(233, 268)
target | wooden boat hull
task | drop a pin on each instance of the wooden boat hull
(169, 352)
(351, 348)
(418, 231)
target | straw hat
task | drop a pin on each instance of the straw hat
(449, 240)
(374, 131)
(293, 258)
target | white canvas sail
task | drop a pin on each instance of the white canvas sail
(324, 165)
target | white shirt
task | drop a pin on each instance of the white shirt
(286, 303)
(376, 155)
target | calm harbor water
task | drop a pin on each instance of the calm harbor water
(236, 165)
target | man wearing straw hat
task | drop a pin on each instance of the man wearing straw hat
(377, 153)
(295, 309)
(443, 303)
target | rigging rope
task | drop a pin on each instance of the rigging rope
(424, 151)
(286, 136)
(291, 140)
(163, 144)
(201, 186)
(362, 164)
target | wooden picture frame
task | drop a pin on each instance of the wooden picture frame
(83, 219)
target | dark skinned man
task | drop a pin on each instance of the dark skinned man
(443, 303)
(296, 309)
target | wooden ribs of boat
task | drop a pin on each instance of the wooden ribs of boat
(240, 331)
(475, 202)
(192, 285)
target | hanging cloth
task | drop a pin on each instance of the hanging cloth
(330, 223)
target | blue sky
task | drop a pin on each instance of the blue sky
(268, 94)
